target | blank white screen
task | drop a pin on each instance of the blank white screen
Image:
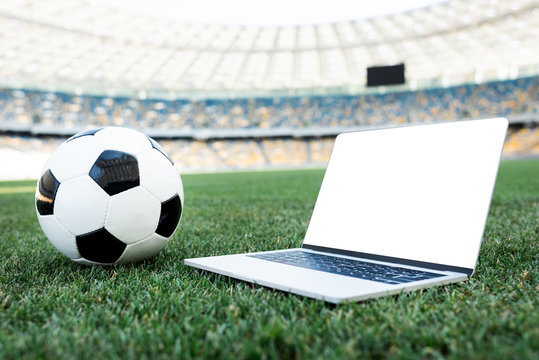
(419, 192)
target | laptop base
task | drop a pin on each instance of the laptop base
(315, 284)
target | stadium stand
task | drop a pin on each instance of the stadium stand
(522, 141)
(223, 155)
(239, 154)
(279, 140)
(502, 98)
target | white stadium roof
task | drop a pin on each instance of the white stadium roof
(81, 46)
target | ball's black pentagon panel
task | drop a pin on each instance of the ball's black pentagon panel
(84, 133)
(46, 193)
(100, 246)
(171, 210)
(159, 148)
(115, 171)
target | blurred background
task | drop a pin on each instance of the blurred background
(227, 85)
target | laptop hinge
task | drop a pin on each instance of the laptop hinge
(391, 259)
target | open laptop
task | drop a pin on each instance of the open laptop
(399, 209)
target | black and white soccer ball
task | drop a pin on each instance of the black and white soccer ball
(109, 195)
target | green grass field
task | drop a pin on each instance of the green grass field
(51, 307)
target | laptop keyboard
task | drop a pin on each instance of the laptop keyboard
(347, 267)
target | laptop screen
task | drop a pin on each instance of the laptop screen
(419, 193)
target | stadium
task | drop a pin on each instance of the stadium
(249, 113)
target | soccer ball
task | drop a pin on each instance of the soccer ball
(109, 195)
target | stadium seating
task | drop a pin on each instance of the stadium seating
(522, 141)
(466, 101)
(221, 155)
(25, 107)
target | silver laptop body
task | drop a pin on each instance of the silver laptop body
(399, 209)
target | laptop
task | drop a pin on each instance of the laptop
(399, 209)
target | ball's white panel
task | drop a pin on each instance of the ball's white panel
(74, 158)
(81, 205)
(133, 215)
(83, 261)
(157, 174)
(180, 186)
(123, 139)
(143, 249)
(62, 239)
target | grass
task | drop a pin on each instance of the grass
(51, 307)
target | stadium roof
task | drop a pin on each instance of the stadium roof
(82, 46)
(263, 13)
